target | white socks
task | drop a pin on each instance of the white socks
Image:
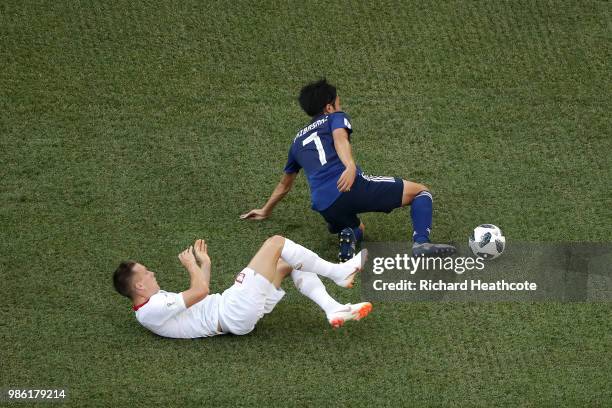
(310, 285)
(306, 265)
(301, 258)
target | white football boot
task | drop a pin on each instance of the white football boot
(352, 266)
(349, 312)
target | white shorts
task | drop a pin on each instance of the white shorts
(247, 301)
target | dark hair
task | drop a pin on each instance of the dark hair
(316, 95)
(122, 278)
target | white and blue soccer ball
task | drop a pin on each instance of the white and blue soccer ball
(487, 241)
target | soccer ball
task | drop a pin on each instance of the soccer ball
(487, 241)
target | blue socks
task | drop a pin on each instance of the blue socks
(421, 211)
(358, 234)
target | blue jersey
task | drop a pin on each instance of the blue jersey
(313, 149)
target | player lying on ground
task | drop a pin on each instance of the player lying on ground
(339, 190)
(256, 291)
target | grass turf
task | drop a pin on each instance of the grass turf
(130, 129)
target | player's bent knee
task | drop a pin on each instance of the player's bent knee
(276, 240)
(411, 189)
(416, 188)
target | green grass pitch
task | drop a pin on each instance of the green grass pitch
(128, 129)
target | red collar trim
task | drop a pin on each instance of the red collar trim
(136, 307)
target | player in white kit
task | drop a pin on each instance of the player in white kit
(255, 292)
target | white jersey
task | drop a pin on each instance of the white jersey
(165, 314)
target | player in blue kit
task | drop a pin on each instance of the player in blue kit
(339, 190)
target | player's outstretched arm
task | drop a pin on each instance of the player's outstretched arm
(343, 148)
(199, 275)
(281, 190)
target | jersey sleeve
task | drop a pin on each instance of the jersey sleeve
(292, 165)
(340, 120)
(163, 306)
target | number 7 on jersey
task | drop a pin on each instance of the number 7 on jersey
(317, 140)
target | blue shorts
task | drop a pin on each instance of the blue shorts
(368, 194)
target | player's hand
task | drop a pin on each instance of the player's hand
(200, 250)
(347, 178)
(187, 258)
(256, 214)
